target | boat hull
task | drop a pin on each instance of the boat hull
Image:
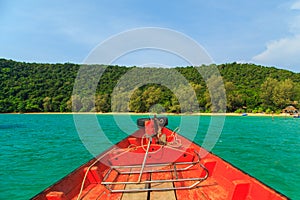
(216, 178)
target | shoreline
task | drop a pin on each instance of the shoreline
(170, 114)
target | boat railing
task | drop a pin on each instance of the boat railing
(174, 167)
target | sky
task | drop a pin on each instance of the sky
(58, 31)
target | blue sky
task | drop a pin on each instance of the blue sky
(59, 31)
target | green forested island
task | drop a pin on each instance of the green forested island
(36, 87)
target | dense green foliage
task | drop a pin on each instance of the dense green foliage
(35, 87)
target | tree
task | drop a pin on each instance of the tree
(283, 93)
(267, 91)
(36, 87)
(297, 95)
(47, 104)
(187, 99)
(277, 94)
(175, 106)
(31, 106)
(102, 103)
(234, 99)
(136, 103)
(21, 107)
(88, 104)
(215, 95)
(151, 96)
(75, 103)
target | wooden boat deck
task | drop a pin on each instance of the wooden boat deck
(208, 190)
(224, 181)
(228, 186)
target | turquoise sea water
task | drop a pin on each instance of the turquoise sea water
(37, 150)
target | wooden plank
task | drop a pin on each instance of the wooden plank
(136, 195)
(195, 193)
(95, 192)
(162, 195)
(117, 195)
(207, 190)
(212, 190)
(101, 192)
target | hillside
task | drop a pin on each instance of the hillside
(35, 87)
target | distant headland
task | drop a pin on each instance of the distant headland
(250, 88)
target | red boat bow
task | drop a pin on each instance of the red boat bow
(157, 163)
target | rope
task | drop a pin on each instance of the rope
(178, 141)
(179, 144)
(132, 146)
(143, 146)
(87, 171)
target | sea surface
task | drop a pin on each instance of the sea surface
(37, 150)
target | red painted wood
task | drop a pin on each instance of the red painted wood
(95, 192)
(93, 176)
(116, 196)
(56, 196)
(224, 182)
(240, 190)
(157, 154)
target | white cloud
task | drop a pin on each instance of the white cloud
(284, 52)
(296, 5)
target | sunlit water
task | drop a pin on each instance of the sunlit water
(37, 150)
